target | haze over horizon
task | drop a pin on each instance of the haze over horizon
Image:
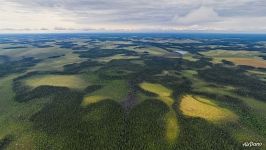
(225, 16)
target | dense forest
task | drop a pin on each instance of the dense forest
(127, 92)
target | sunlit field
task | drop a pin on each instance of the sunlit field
(248, 58)
(194, 106)
(70, 81)
(248, 62)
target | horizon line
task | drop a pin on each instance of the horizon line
(114, 32)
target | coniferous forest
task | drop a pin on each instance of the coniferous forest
(132, 91)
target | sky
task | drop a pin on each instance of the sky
(233, 16)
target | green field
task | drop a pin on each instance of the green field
(115, 90)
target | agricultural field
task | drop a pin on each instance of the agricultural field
(132, 91)
(247, 58)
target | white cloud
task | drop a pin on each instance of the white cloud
(198, 16)
(211, 15)
(13, 16)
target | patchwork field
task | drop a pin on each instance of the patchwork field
(132, 92)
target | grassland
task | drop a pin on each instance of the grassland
(116, 57)
(38, 53)
(151, 50)
(163, 92)
(230, 53)
(116, 90)
(15, 127)
(70, 81)
(194, 106)
(248, 62)
(57, 64)
(248, 58)
(6, 105)
(189, 57)
(92, 99)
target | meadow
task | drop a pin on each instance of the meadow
(248, 58)
(132, 92)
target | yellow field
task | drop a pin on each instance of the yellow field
(70, 81)
(249, 58)
(156, 88)
(189, 57)
(92, 99)
(171, 123)
(195, 106)
(228, 53)
(248, 61)
(172, 128)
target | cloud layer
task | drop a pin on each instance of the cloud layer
(137, 15)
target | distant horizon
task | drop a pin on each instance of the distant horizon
(111, 32)
(212, 16)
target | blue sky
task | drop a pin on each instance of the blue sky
(133, 16)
